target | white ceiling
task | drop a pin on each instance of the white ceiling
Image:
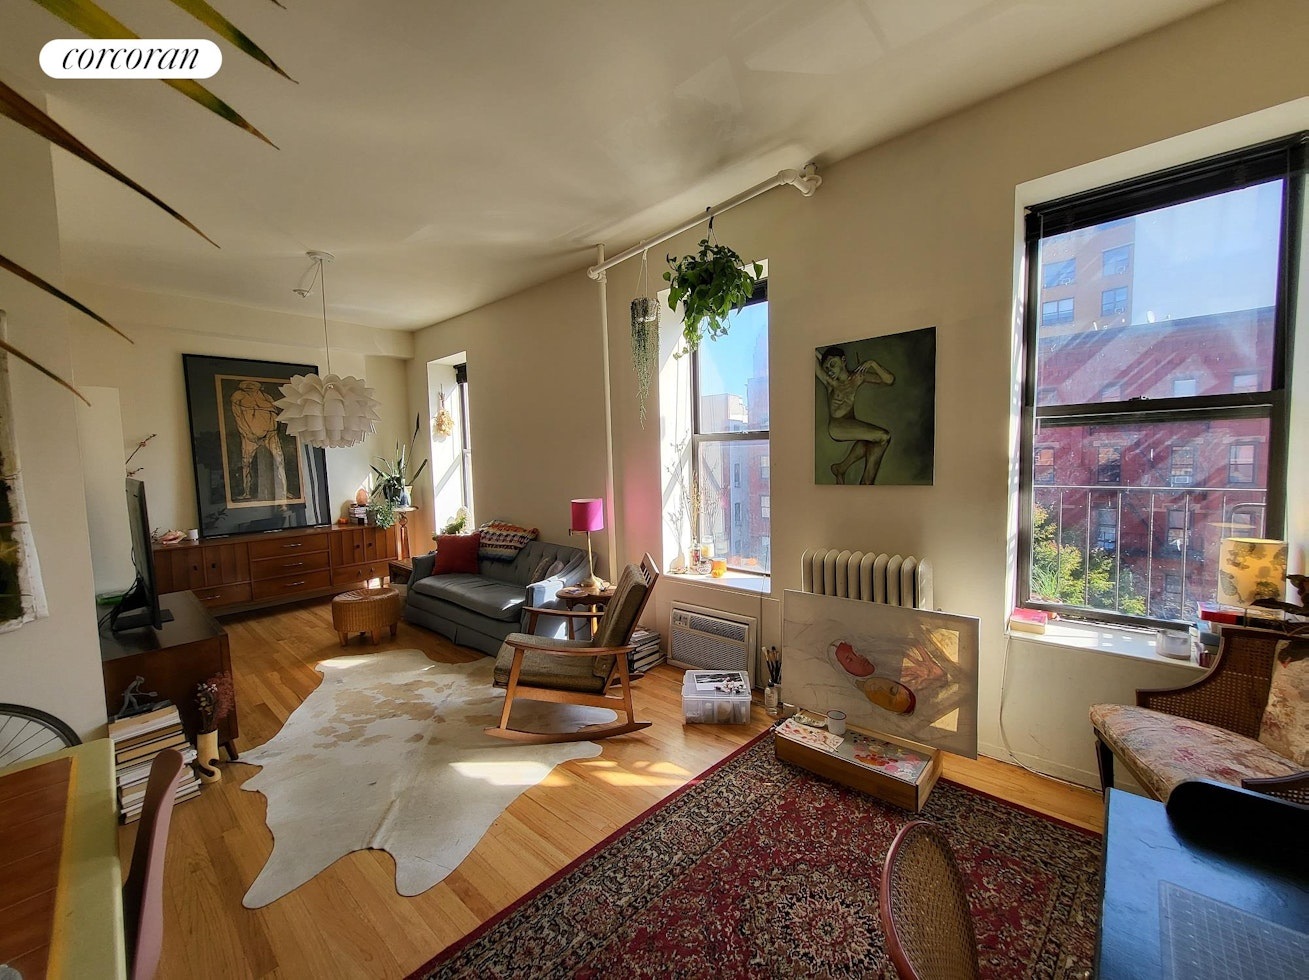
(450, 153)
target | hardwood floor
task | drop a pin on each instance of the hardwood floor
(349, 921)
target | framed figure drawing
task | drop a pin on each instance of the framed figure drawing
(875, 410)
(250, 473)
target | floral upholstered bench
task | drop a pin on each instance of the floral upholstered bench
(1245, 723)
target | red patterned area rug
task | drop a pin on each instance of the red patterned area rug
(759, 869)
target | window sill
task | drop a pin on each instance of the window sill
(1104, 639)
(740, 581)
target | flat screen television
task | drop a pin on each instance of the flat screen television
(140, 604)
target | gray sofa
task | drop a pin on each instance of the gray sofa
(479, 611)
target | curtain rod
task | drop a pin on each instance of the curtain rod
(806, 181)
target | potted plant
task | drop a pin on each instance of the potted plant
(214, 699)
(382, 512)
(395, 482)
(457, 524)
(709, 284)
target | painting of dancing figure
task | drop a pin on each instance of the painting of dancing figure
(875, 410)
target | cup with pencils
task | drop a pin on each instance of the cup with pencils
(772, 693)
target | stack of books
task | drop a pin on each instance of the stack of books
(1028, 621)
(137, 740)
(646, 653)
(358, 514)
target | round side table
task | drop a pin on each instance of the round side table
(366, 611)
(574, 596)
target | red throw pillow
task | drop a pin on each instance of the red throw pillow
(457, 553)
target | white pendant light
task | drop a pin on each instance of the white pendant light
(327, 411)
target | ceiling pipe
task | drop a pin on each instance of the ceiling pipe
(805, 180)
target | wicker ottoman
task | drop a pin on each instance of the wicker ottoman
(365, 611)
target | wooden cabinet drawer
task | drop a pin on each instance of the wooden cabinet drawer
(291, 585)
(225, 564)
(278, 546)
(224, 595)
(353, 575)
(289, 564)
(179, 567)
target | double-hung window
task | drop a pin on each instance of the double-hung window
(730, 449)
(1172, 418)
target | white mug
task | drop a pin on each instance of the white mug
(836, 722)
(193, 534)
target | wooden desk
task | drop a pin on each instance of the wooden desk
(173, 660)
(84, 936)
(1255, 872)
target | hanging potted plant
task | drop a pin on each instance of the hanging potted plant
(645, 338)
(709, 284)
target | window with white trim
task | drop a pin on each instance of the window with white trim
(730, 437)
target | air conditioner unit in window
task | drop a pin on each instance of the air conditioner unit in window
(705, 639)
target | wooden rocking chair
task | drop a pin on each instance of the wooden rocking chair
(540, 668)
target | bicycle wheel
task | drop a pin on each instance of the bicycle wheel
(26, 733)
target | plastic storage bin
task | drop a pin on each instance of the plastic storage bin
(715, 707)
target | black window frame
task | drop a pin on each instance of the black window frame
(1279, 159)
(698, 438)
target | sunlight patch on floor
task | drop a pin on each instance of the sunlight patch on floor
(504, 773)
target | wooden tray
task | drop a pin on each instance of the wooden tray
(832, 765)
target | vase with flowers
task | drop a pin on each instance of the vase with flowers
(214, 699)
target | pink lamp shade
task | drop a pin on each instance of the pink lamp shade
(588, 514)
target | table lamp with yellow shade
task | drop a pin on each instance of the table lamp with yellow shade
(1250, 569)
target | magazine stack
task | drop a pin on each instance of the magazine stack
(137, 740)
(645, 653)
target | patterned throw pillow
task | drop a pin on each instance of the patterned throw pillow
(502, 541)
(1285, 726)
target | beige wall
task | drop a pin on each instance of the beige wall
(918, 231)
(52, 664)
(535, 403)
(148, 375)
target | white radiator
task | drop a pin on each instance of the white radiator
(705, 639)
(873, 578)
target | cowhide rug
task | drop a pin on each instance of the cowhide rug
(389, 753)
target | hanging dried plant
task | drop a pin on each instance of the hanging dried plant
(645, 338)
(443, 424)
(645, 347)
